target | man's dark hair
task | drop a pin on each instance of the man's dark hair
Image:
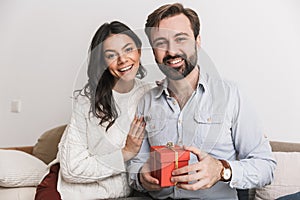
(170, 10)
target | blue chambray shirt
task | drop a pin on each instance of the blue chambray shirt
(216, 119)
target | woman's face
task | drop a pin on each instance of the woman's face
(121, 56)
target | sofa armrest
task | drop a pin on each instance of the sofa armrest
(26, 149)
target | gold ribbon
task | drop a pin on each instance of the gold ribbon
(170, 145)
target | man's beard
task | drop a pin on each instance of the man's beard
(182, 71)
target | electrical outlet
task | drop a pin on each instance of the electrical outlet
(15, 106)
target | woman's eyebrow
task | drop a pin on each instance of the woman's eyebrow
(109, 50)
(125, 46)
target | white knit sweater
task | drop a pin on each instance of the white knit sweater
(91, 160)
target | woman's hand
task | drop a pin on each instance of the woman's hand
(134, 138)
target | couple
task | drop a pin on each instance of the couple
(116, 118)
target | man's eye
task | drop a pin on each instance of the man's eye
(180, 39)
(160, 44)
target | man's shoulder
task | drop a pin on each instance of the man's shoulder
(155, 91)
(214, 82)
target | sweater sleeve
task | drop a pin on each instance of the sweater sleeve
(80, 163)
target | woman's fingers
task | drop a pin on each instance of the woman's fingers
(132, 125)
(137, 127)
(135, 136)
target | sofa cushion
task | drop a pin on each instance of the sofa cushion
(47, 145)
(286, 177)
(18, 169)
(20, 193)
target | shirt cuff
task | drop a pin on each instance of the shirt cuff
(134, 178)
(237, 172)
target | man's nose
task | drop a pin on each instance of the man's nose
(173, 49)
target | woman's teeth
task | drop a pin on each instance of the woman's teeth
(125, 68)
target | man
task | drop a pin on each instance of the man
(206, 115)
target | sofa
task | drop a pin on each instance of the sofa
(22, 168)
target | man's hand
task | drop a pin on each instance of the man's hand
(203, 174)
(148, 182)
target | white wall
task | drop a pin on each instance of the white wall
(43, 51)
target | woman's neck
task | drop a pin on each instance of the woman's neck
(122, 86)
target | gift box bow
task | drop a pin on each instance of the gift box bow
(170, 153)
(166, 158)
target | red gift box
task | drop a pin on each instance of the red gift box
(164, 159)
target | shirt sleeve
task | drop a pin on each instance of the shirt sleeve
(78, 163)
(255, 163)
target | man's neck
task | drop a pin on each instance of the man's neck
(182, 89)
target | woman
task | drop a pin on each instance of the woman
(100, 138)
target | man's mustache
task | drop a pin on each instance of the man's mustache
(168, 57)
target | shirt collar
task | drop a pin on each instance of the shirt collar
(163, 84)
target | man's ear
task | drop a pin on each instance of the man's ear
(198, 41)
(153, 51)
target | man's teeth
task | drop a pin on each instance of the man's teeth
(175, 61)
(125, 68)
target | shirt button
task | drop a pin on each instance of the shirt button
(147, 118)
(208, 119)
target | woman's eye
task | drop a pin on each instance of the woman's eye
(128, 49)
(110, 56)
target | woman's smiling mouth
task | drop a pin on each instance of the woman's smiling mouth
(124, 69)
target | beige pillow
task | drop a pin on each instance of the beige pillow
(20, 193)
(47, 145)
(20, 169)
(286, 177)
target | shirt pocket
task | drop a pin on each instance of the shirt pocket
(156, 121)
(213, 133)
(208, 129)
(154, 125)
(207, 118)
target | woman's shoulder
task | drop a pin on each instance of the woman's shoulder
(81, 100)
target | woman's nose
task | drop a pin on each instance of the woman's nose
(122, 59)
